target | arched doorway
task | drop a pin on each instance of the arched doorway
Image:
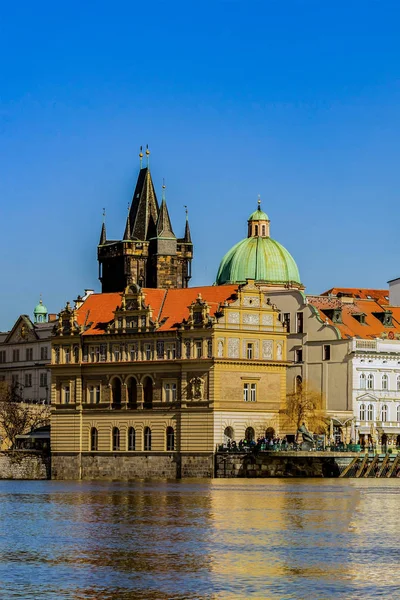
(116, 392)
(228, 435)
(270, 433)
(148, 392)
(132, 392)
(249, 434)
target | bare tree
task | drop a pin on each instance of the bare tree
(305, 405)
(18, 417)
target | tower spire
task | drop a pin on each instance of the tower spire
(103, 236)
(141, 156)
(187, 238)
(148, 155)
(127, 232)
(164, 227)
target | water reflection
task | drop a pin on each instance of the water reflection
(203, 539)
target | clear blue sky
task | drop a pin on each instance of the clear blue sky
(298, 101)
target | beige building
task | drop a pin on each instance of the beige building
(150, 381)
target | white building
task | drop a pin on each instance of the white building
(376, 390)
(25, 354)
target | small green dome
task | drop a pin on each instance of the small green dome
(40, 309)
(258, 215)
(258, 258)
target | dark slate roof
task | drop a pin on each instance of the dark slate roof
(144, 209)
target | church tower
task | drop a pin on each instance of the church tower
(149, 254)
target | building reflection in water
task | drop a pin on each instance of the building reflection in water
(204, 539)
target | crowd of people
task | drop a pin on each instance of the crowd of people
(262, 443)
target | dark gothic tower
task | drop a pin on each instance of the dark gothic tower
(149, 253)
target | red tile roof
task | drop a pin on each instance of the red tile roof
(351, 327)
(172, 305)
(382, 296)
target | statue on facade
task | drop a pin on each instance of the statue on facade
(197, 388)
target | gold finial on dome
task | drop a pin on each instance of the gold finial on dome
(141, 156)
(259, 202)
(147, 155)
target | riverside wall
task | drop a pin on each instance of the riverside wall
(284, 464)
(24, 464)
(124, 466)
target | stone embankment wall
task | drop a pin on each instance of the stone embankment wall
(288, 464)
(22, 464)
(123, 466)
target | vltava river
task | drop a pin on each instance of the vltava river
(200, 540)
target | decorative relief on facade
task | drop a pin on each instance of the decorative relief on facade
(196, 387)
(251, 319)
(267, 349)
(233, 317)
(279, 350)
(267, 320)
(233, 347)
(220, 348)
(251, 301)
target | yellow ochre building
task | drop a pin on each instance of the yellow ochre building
(150, 376)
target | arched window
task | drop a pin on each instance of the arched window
(116, 392)
(94, 439)
(370, 412)
(270, 433)
(298, 384)
(362, 381)
(370, 382)
(384, 413)
(362, 412)
(256, 229)
(263, 230)
(132, 392)
(147, 438)
(385, 382)
(228, 435)
(249, 434)
(148, 392)
(131, 439)
(170, 439)
(115, 439)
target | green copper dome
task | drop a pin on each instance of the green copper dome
(259, 258)
(40, 312)
(258, 215)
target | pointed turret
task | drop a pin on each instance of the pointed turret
(188, 238)
(127, 232)
(143, 214)
(164, 227)
(103, 237)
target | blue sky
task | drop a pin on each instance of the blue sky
(298, 101)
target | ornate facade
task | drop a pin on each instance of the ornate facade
(168, 374)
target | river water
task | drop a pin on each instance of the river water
(203, 539)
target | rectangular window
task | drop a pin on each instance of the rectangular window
(15, 355)
(246, 392)
(209, 349)
(117, 353)
(43, 353)
(97, 354)
(171, 351)
(67, 396)
(298, 355)
(187, 350)
(3, 356)
(67, 354)
(29, 354)
(327, 352)
(253, 392)
(28, 379)
(299, 320)
(97, 394)
(167, 389)
(91, 394)
(160, 350)
(133, 352)
(43, 379)
(198, 346)
(286, 321)
(173, 392)
(148, 351)
(250, 351)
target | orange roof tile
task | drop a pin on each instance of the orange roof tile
(351, 327)
(382, 296)
(172, 305)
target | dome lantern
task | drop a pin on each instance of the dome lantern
(40, 313)
(258, 257)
